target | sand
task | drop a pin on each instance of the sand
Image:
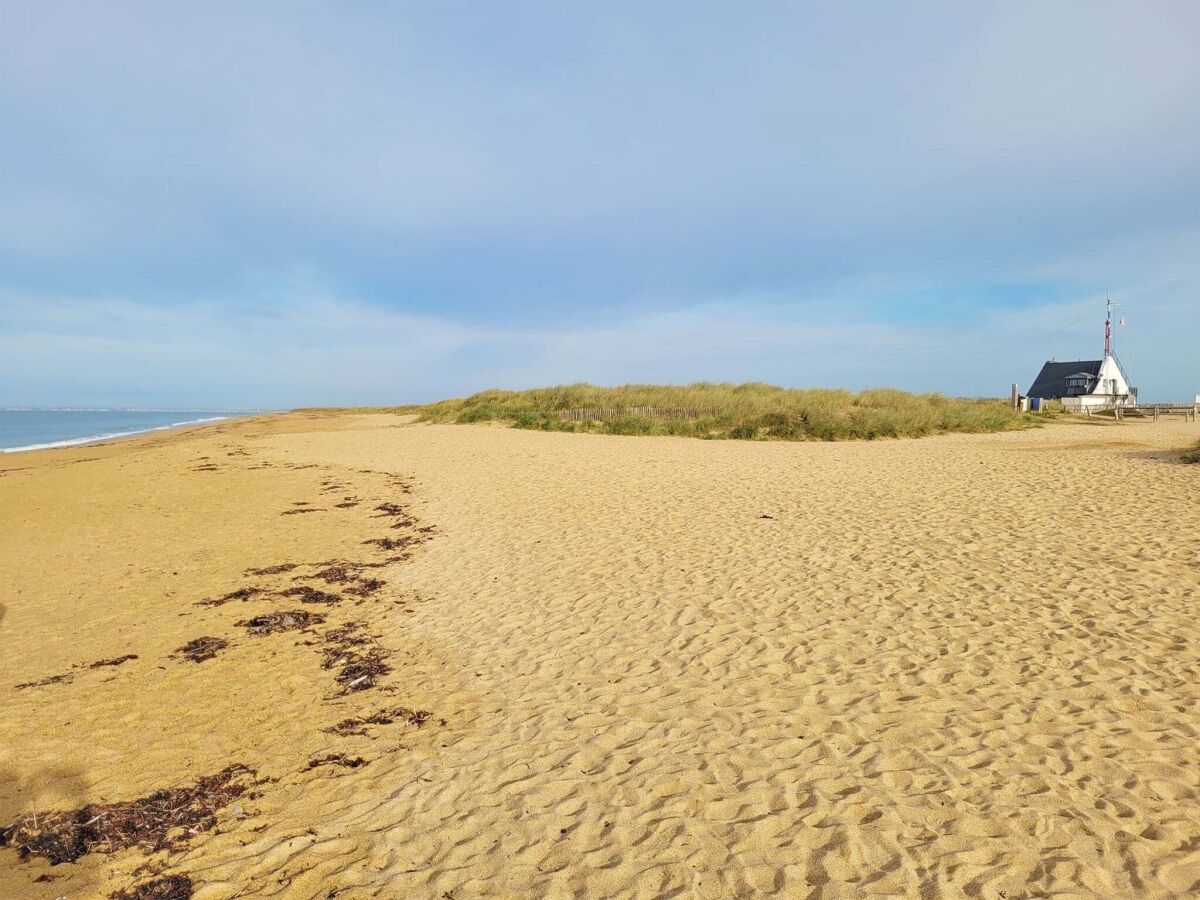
(960, 666)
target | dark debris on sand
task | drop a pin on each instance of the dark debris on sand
(366, 587)
(361, 672)
(284, 620)
(336, 573)
(63, 678)
(201, 648)
(273, 570)
(115, 661)
(170, 887)
(300, 509)
(402, 516)
(68, 677)
(391, 509)
(395, 543)
(358, 725)
(337, 759)
(165, 820)
(359, 661)
(346, 573)
(240, 594)
(311, 595)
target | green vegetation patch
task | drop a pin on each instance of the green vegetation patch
(750, 411)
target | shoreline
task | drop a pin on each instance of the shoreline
(100, 439)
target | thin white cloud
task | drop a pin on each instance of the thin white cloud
(310, 346)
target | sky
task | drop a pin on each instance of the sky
(277, 204)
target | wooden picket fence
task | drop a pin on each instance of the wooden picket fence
(1154, 410)
(600, 413)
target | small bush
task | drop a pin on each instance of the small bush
(627, 425)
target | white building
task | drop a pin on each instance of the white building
(1087, 383)
(1094, 383)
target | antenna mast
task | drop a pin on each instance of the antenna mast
(1108, 306)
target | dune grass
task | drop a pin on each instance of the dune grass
(749, 411)
(1192, 456)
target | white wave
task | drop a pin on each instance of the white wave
(92, 439)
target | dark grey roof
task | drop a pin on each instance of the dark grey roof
(1051, 382)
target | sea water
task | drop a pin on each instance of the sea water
(37, 429)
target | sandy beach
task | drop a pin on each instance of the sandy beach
(468, 661)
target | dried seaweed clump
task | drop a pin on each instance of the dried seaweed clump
(242, 594)
(358, 724)
(395, 543)
(393, 510)
(170, 887)
(357, 671)
(201, 648)
(165, 820)
(62, 678)
(284, 620)
(115, 661)
(273, 570)
(366, 588)
(337, 759)
(311, 595)
(336, 573)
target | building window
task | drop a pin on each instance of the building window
(1076, 385)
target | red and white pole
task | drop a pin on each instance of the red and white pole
(1108, 308)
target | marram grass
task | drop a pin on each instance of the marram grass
(749, 411)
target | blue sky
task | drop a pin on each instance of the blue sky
(277, 204)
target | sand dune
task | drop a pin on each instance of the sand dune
(959, 666)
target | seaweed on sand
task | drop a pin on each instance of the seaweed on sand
(164, 820)
(244, 593)
(337, 759)
(357, 671)
(358, 725)
(366, 588)
(115, 661)
(62, 678)
(336, 573)
(284, 620)
(391, 509)
(169, 887)
(311, 595)
(395, 543)
(273, 570)
(201, 648)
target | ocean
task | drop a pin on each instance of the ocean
(37, 429)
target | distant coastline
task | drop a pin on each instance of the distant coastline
(26, 429)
